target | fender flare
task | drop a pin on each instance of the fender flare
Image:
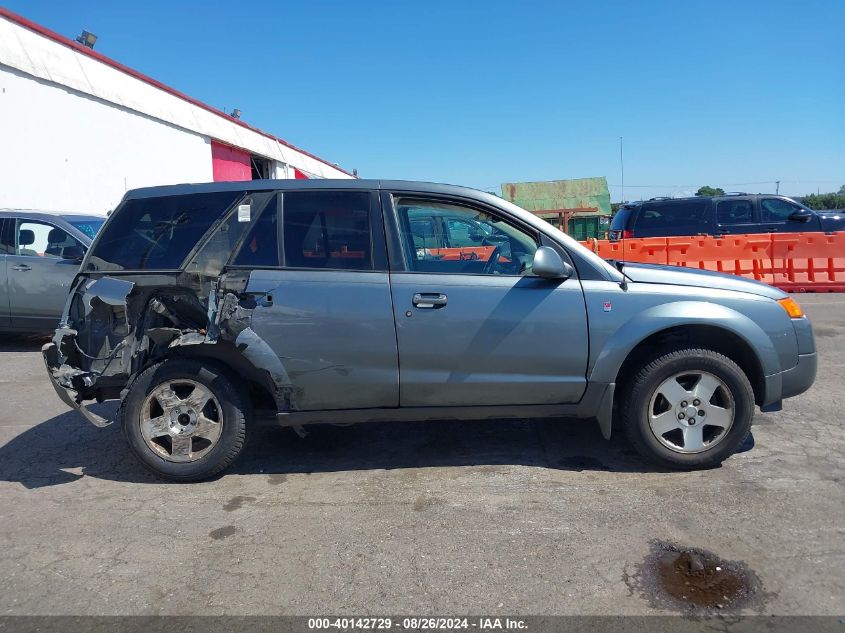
(666, 316)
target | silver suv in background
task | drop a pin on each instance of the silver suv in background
(208, 308)
(41, 253)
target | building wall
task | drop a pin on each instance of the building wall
(63, 150)
(47, 56)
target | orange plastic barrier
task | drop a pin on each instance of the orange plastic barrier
(646, 249)
(743, 255)
(796, 262)
(809, 262)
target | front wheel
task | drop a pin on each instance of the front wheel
(185, 420)
(688, 409)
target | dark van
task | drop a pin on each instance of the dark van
(720, 215)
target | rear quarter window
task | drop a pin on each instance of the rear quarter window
(620, 220)
(157, 233)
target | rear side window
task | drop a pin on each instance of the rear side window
(734, 212)
(157, 233)
(327, 229)
(686, 215)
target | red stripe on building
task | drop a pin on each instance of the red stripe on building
(228, 163)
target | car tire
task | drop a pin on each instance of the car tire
(208, 415)
(652, 404)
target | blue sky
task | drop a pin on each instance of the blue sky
(732, 94)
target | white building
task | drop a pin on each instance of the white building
(78, 129)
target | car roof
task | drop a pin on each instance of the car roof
(299, 185)
(728, 196)
(37, 213)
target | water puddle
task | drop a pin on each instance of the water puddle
(695, 580)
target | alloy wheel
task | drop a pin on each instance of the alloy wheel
(691, 411)
(181, 420)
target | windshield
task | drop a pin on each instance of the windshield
(89, 227)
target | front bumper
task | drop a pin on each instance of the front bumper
(801, 377)
(61, 377)
(791, 382)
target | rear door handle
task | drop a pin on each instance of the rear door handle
(429, 300)
(23, 267)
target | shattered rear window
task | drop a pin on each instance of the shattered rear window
(157, 233)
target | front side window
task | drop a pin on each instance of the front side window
(734, 212)
(157, 233)
(446, 238)
(327, 230)
(39, 239)
(777, 210)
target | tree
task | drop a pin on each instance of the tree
(842, 189)
(708, 192)
(820, 202)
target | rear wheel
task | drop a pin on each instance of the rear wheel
(688, 409)
(185, 420)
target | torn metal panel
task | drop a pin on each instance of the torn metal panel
(230, 320)
(109, 290)
(61, 375)
(114, 328)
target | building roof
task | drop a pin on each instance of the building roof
(580, 195)
(30, 47)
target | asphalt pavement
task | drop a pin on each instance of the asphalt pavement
(533, 517)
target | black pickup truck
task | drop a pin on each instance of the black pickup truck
(720, 215)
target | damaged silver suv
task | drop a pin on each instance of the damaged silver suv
(205, 309)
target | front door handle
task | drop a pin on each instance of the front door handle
(429, 300)
(23, 267)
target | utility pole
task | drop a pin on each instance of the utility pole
(777, 187)
(622, 168)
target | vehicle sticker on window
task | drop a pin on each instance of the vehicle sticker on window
(243, 212)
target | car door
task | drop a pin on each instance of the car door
(775, 217)
(39, 273)
(323, 298)
(473, 326)
(736, 216)
(7, 246)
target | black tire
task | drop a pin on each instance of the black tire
(235, 413)
(636, 399)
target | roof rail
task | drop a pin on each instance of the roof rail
(660, 198)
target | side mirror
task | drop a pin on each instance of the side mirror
(548, 264)
(76, 253)
(801, 216)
